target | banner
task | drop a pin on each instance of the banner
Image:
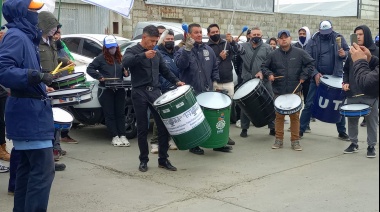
(49, 5)
(122, 7)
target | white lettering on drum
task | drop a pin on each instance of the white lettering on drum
(324, 106)
(337, 104)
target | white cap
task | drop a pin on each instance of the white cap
(325, 27)
(110, 41)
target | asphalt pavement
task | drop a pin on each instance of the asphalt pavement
(102, 178)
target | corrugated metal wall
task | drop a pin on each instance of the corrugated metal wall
(83, 18)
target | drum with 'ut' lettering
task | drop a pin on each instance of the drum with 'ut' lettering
(183, 117)
(328, 99)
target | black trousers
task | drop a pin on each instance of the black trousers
(142, 100)
(113, 105)
(3, 100)
(305, 89)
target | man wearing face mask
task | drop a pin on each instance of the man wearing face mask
(254, 53)
(224, 57)
(304, 36)
(329, 60)
(28, 113)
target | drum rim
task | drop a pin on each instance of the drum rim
(250, 93)
(214, 108)
(368, 108)
(70, 103)
(78, 75)
(169, 102)
(87, 91)
(330, 85)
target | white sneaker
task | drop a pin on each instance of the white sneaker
(154, 149)
(116, 141)
(125, 141)
(238, 124)
(172, 145)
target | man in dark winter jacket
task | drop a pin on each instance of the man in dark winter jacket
(352, 90)
(198, 65)
(329, 60)
(295, 65)
(28, 113)
(224, 51)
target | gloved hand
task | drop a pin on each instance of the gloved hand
(46, 78)
(189, 44)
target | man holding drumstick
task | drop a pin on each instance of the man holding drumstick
(295, 65)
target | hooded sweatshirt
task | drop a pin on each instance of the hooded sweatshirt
(348, 75)
(26, 118)
(301, 45)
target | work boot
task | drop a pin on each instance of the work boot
(4, 155)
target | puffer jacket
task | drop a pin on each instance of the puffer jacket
(294, 65)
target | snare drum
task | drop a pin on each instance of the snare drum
(116, 84)
(68, 97)
(355, 110)
(68, 81)
(328, 99)
(256, 102)
(62, 119)
(288, 104)
(183, 117)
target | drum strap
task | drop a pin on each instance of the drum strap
(253, 58)
(27, 95)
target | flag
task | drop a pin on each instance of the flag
(49, 5)
(123, 7)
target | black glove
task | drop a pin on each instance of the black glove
(46, 78)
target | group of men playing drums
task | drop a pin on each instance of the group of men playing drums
(314, 60)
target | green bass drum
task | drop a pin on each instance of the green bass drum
(183, 117)
(217, 109)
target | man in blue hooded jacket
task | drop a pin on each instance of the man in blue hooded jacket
(329, 60)
(28, 113)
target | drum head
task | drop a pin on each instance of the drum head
(171, 95)
(61, 115)
(68, 91)
(214, 100)
(332, 81)
(288, 102)
(246, 88)
(71, 76)
(355, 107)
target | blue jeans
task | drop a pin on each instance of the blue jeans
(35, 175)
(307, 111)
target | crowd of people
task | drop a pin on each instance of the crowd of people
(31, 49)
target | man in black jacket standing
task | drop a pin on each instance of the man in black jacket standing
(145, 65)
(352, 90)
(224, 51)
(295, 65)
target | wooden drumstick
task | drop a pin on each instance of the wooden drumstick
(56, 69)
(359, 95)
(279, 77)
(111, 78)
(297, 88)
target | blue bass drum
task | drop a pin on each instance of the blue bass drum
(328, 99)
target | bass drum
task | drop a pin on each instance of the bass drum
(256, 102)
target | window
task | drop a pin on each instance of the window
(115, 26)
(72, 44)
(91, 49)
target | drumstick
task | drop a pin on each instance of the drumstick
(67, 68)
(359, 95)
(339, 42)
(56, 69)
(297, 88)
(111, 78)
(279, 77)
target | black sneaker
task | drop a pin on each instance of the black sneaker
(143, 167)
(364, 123)
(301, 135)
(371, 152)
(272, 132)
(167, 165)
(59, 167)
(223, 149)
(243, 134)
(231, 142)
(197, 151)
(353, 148)
(344, 137)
